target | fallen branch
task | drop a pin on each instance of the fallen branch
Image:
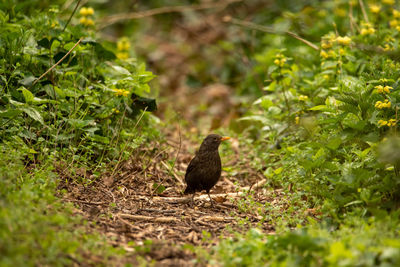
(147, 218)
(214, 219)
(87, 202)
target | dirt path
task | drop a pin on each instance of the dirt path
(125, 207)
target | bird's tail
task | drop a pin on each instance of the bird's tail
(189, 190)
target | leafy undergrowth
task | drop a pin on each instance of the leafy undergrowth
(36, 227)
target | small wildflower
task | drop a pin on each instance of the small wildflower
(326, 77)
(83, 20)
(388, 2)
(382, 123)
(393, 23)
(83, 11)
(379, 89)
(122, 55)
(324, 54)
(383, 80)
(396, 13)
(385, 104)
(89, 22)
(297, 120)
(367, 29)
(280, 60)
(114, 110)
(123, 44)
(86, 11)
(326, 44)
(343, 40)
(375, 8)
(391, 122)
(342, 51)
(89, 11)
(387, 47)
(119, 92)
(303, 98)
(387, 89)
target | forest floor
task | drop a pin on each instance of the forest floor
(126, 208)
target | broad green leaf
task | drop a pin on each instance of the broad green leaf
(28, 96)
(33, 113)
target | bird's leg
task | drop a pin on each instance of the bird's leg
(211, 201)
(192, 203)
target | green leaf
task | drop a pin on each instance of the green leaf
(33, 113)
(28, 96)
(159, 188)
(28, 81)
(10, 113)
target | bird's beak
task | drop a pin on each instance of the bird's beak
(225, 138)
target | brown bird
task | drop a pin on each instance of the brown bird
(204, 169)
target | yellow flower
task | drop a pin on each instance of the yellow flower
(343, 40)
(341, 51)
(387, 104)
(115, 110)
(326, 77)
(280, 60)
(86, 11)
(393, 23)
(379, 89)
(303, 98)
(391, 122)
(326, 44)
(83, 20)
(375, 8)
(388, 2)
(324, 54)
(297, 120)
(387, 89)
(396, 13)
(83, 11)
(89, 22)
(122, 92)
(387, 47)
(382, 123)
(122, 55)
(367, 29)
(89, 11)
(378, 104)
(123, 44)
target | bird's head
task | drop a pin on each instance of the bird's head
(212, 142)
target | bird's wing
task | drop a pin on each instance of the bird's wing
(193, 163)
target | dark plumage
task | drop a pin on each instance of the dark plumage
(204, 169)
